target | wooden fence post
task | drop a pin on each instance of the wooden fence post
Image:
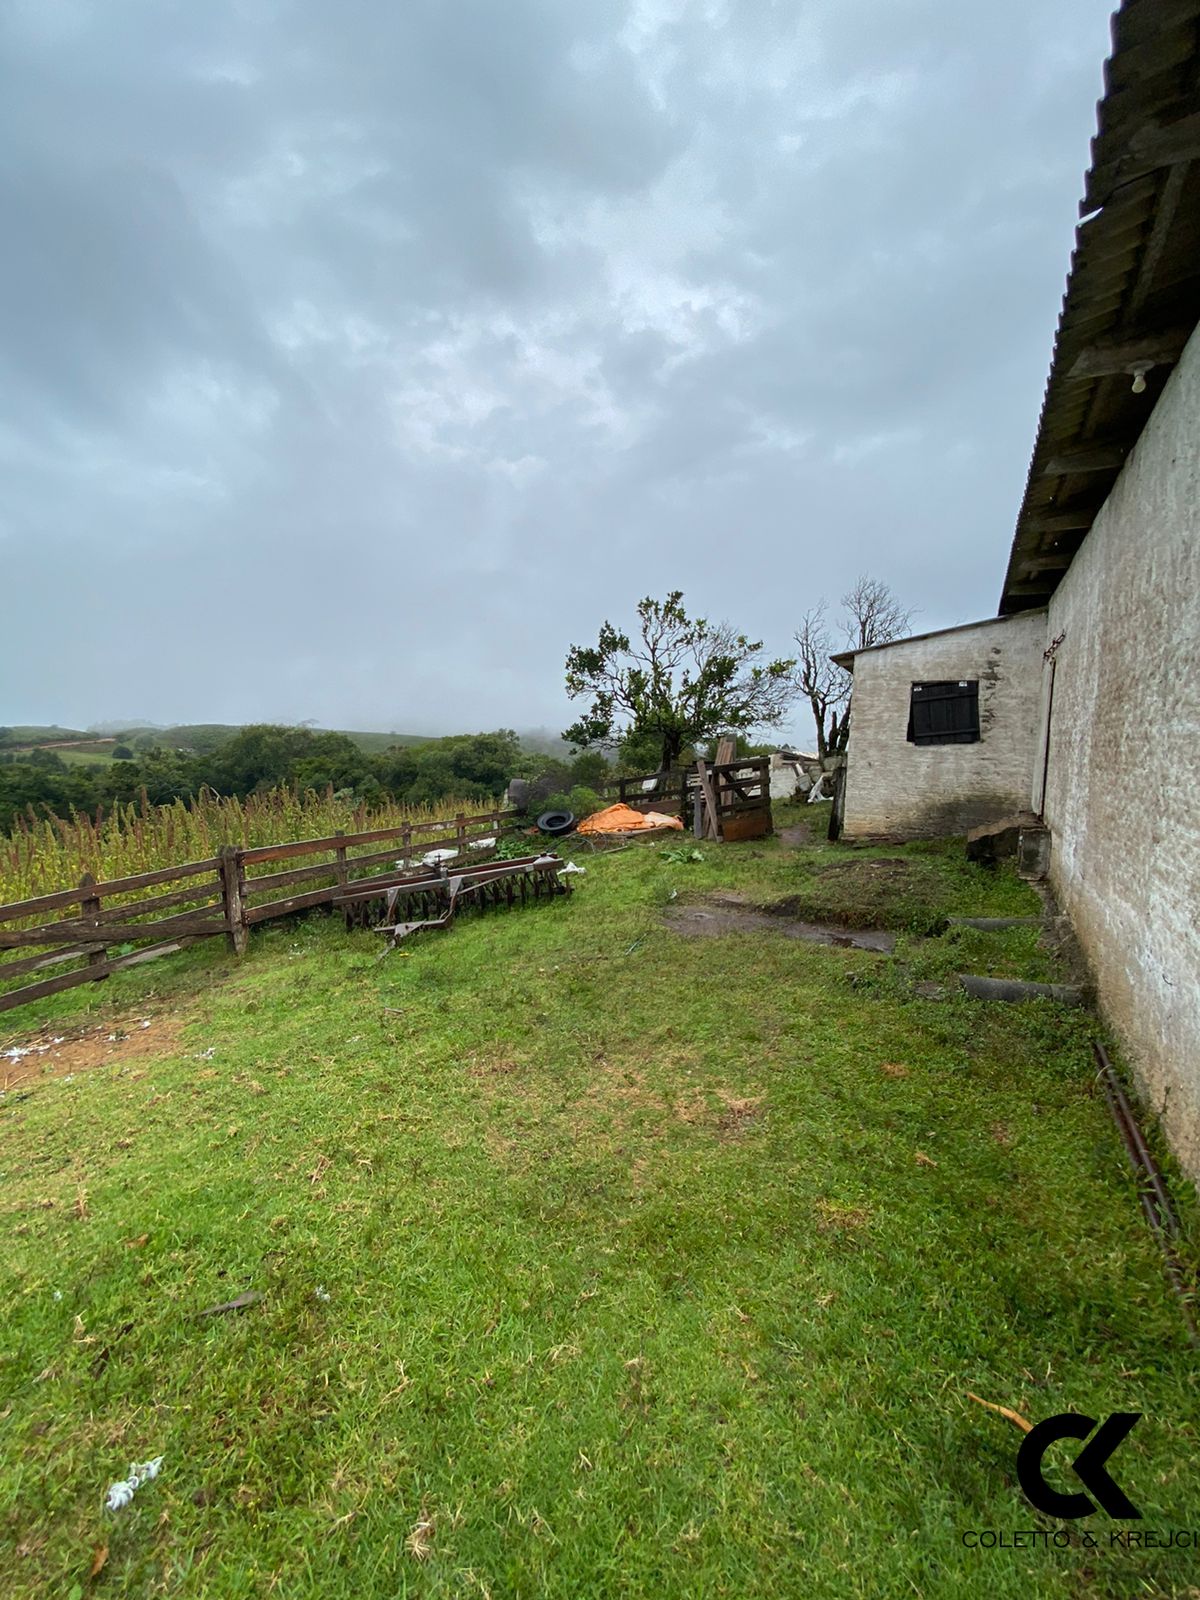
(343, 872)
(460, 831)
(406, 844)
(712, 812)
(237, 929)
(90, 907)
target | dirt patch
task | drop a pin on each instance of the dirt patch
(493, 1064)
(713, 918)
(835, 1218)
(875, 865)
(620, 1107)
(795, 837)
(59, 1053)
(926, 989)
(738, 1114)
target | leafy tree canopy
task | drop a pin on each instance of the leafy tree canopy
(473, 766)
(677, 681)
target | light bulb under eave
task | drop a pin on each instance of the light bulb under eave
(1139, 379)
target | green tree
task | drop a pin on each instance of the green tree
(258, 756)
(678, 681)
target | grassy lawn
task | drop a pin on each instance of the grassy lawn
(595, 1260)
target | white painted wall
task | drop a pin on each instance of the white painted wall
(923, 791)
(1123, 780)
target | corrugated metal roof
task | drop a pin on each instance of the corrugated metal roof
(1133, 292)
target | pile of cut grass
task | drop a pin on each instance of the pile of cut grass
(912, 888)
(595, 1261)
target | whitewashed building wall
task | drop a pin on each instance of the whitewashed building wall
(1123, 772)
(923, 791)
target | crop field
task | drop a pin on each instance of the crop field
(585, 1250)
(41, 855)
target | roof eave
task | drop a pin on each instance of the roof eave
(1133, 292)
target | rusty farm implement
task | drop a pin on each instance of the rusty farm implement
(403, 904)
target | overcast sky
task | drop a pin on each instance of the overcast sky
(357, 359)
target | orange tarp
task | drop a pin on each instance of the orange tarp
(624, 819)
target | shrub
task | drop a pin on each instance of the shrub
(583, 801)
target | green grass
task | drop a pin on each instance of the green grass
(633, 1264)
(87, 755)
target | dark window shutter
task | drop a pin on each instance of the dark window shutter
(944, 713)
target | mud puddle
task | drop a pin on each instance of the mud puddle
(714, 917)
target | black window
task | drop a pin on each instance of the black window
(944, 713)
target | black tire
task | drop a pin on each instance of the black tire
(554, 822)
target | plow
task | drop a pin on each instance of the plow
(403, 905)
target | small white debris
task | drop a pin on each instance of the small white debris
(58, 1294)
(145, 1022)
(432, 857)
(123, 1491)
(573, 866)
(207, 1055)
(70, 1078)
(58, 1040)
(321, 1292)
(481, 844)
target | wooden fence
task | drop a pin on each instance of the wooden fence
(118, 925)
(741, 794)
(671, 792)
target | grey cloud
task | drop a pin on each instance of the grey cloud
(440, 332)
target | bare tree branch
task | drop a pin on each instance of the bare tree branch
(825, 686)
(873, 614)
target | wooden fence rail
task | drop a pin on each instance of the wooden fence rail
(218, 897)
(671, 792)
(741, 794)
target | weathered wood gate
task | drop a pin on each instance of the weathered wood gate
(734, 799)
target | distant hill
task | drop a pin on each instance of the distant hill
(197, 738)
(28, 734)
(97, 743)
(201, 738)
